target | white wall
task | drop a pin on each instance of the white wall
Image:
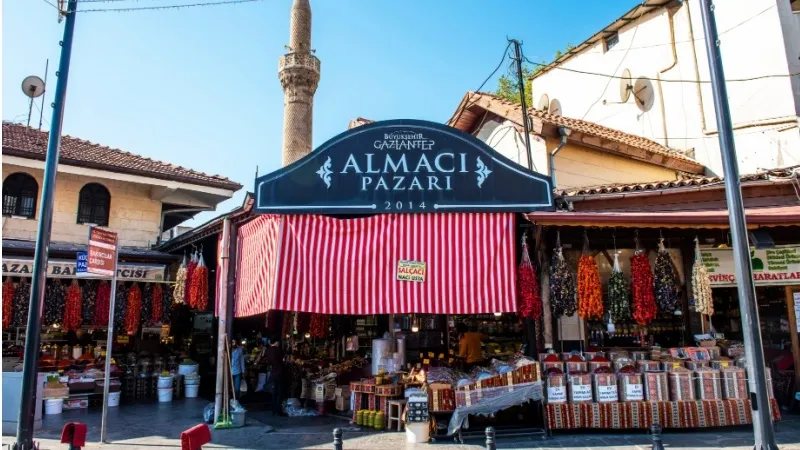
(753, 36)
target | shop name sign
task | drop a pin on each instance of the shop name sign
(69, 269)
(773, 266)
(403, 166)
(411, 270)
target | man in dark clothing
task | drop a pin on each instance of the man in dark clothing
(274, 356)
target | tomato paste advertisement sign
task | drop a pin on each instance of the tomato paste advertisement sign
(411, 270)
(102, 252)
(771, 267)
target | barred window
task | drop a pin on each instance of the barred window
(19, 195)
(93, 204)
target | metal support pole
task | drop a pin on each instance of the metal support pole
(490, 442)
(337, 439)
(763, 432)
(222, 308)
(30, 370)
(655, 431)
(522, 101)
(109, 343)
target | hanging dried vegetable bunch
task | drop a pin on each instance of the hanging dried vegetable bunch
(590, 291)
(288, 323)
(319, 325)
(199, 286)
(22, 301)
(190, 269)
(158, 306)
(147, 303)
(72, 307)
(530, 301)
(120, 306)
(644, 302)
(55, 297)
(302, 321)
(666, 282)
(103, 304)
(180, 283)
(619, 297)
(89, 293)
(133, 315)
(562, 284)
(701, 284)
(8, 302)
(166, 306)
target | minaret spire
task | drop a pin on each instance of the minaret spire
(299, 74)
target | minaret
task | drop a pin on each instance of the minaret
(299, 74)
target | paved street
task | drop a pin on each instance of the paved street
(158, 426)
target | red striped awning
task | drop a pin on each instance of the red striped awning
(321, 264)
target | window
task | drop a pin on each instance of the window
(19, 195)
(611, 41)
(93, 204)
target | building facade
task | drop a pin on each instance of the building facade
(647, 74)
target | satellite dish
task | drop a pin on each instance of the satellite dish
(625, 86)
(33, 86)
(643, 93)
(555, 107)
(544, 103)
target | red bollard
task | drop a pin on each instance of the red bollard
(194, 438)
(74, 434)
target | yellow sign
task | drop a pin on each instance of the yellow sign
(411, 270)
(123, 339)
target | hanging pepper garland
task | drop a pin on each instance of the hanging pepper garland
(133, 315)
(590, 291)
(562, 284)
(120, 306)
(179, 293)
(701, 284)
(158, 307)
(529, 301)
(666, 283)
(55, 298)
(22, 298)
(8, 302)
(190, 269)
(72, 307)
(319, 325)
(199, 286)
(89, 294)
(166, 306)
(147, 303)
(644, 302)
(619, 297)
(102, 304)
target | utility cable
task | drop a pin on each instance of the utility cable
(468, 105)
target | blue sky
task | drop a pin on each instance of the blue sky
(198, 87)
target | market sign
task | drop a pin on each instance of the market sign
(403, 166)
(102, 252)
(411, 270)
(81, 262)
(771, 267)
(68, 269)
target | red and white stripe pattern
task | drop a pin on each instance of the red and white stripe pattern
(334, 266)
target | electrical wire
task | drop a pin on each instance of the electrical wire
(149, 8)
(468, 105)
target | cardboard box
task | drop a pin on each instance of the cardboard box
(342, 391)
(76, 403)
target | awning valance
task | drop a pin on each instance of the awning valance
(460, 263)
(774, 216)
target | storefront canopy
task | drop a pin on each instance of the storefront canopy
(384, 264)
(403, 166)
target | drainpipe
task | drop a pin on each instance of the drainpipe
(564, 132)
(662, 71)
(174, 211)
(697, 86)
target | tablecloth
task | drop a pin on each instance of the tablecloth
(496, 399)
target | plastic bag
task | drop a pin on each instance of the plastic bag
(208, 413)
(292, 408)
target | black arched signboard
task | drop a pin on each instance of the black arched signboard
(402, 166)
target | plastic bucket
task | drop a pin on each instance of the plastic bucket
(191, 390)
(53, 405)
(164, 395)
(185, 369)
(165, 382)
(190, 381)
(417, 432)
(113, 398)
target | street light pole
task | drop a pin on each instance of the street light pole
(763, 431)
(30, 367)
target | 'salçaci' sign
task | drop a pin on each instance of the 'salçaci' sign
(403, 166)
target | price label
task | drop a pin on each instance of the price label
(581, 393)
(634, 392)
(557, 394)
(426, 361)
(724, 364)
(677, 364)
(607, 394)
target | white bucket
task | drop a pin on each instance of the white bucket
(113, 398)
(53, 405)
(191, 381)
(417, 432)
(165, 382)
(165, 395)
(185, 369)
(191, 390)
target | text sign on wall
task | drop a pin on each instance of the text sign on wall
(773, 266)
(102, 252)
(403, 166)
(68, 269)
(81, 262)
(411, 270)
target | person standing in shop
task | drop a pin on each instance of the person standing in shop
(237, 367)
(469, 346)
(275, 359)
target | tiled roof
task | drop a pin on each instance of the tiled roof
(783, 174)
(26, 142)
